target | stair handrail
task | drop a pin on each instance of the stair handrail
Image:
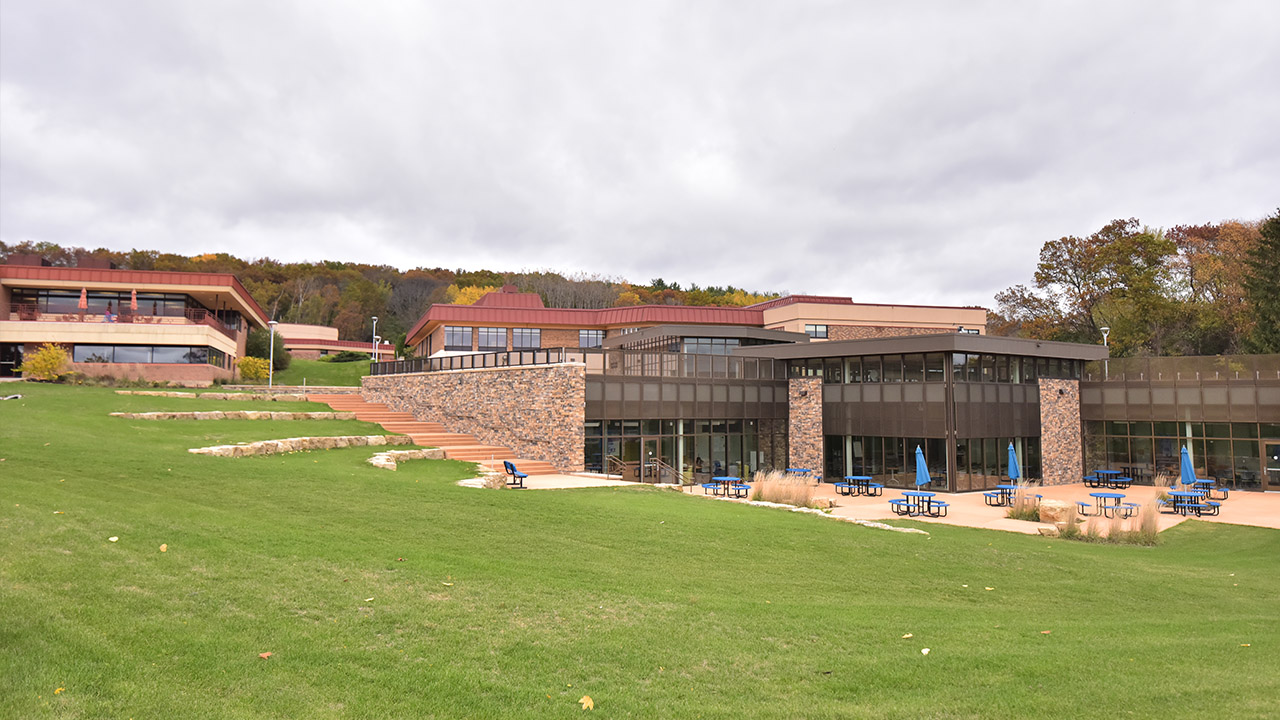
(662, 469)
(614, 465)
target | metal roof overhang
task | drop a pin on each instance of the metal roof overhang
(946, 342)
(740, 332)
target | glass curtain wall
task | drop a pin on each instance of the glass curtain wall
(707, 447)
(1151, 452)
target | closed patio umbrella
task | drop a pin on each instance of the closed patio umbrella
(1014, 471)
(84, 299)
(922, 470)
(1188, 470)
(133, 301)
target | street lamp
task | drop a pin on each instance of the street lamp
(375, 338)
(271, 363)
(1106, 362)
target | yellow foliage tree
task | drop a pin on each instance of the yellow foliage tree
(253, 368)
(47, 363)
(627, 299)
(467, 295)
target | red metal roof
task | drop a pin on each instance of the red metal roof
(141, 278)
(793, 299)
(510, 299)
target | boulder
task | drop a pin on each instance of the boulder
(1051, 531)
(1054, 511)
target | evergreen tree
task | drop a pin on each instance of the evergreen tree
(1262, 287)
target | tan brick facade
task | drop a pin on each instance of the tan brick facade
(193, 375)
(538, 411)
(559, 338)
(804, 429)
(863, 332)
(1061, 448)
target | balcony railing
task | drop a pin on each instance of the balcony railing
(189, 316)
(625, 363)
(1193, 369)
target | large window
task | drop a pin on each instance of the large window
(457, 338)
(153, 354)
(815, 331)
(493, 339)
(590, 338)
(526, 338)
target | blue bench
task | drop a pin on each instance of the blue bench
(935, 506)
(900, 506)
(991, 498)
(1130, 509)
(515, 478)
(874, 489)
(845, 488)
(711, 487)
(1165, 506)
(1085, 507)
(741, 490)
(1210, 507)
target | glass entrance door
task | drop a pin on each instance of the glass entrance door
(1271, 465)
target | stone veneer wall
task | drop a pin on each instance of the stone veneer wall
(863, 332)
(1061, 444)
(538, 411)
(804, 427)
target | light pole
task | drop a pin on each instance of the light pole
(271, 363)
(375, 338)
(1106, 363)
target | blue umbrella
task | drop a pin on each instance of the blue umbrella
(1188, 471)
(922, 470)
(1014, 471)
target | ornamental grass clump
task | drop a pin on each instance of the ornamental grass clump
(777, 487)
(1026, 506)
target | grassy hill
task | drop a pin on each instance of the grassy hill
(399, 594)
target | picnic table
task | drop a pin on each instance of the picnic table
(859, 485)
(1107, 503)
(1186, 502)
(919, 502)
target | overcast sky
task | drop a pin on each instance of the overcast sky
(913, 152)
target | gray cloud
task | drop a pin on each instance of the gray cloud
(920, 153)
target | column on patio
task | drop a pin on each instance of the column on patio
(804, 426)
(1061, 442)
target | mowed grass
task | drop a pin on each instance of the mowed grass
(316, 372)
(384, 594)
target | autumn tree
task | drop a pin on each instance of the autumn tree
(1262, 287)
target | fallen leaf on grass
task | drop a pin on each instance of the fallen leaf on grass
(587, 703)
(368, 599)
(1045, 632)
(447, 584)
(59, 691)
(1244, 644)
(164, 547)
(264, 655)
(57, 512)
(908, 635)
(113, 538)
(924, 651)
(989, 588)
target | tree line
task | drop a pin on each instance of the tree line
(348, 295)
(1189, 290)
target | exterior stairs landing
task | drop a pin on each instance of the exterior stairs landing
(456, 446)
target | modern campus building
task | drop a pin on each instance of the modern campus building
(664, 392)
(170, 326)
(316, 341)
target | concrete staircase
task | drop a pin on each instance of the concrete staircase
(456, 446)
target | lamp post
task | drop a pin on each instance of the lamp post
(375, 337)
(271, 363)
(377, 340)
(1106, 363)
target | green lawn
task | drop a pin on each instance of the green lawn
(316, 372)
(384, 594)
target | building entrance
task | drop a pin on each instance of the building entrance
(10, 359)
(1271, 465)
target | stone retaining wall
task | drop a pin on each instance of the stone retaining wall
(272, 447)
(277, 397)
(538, 410)
(236, 415)
(388, 460)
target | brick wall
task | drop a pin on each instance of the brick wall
(537, 411)
(1061, 446)
(862, 332)
(191, 375)
(804, 427)
(559, 338)
(305, 354)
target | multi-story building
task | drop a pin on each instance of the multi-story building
(316, 341)
(180, 327)
(511, 320)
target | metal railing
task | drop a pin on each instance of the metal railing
(194, 316)
(618, 363)
(1184, 369)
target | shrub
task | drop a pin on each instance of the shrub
(253, 368)
(259, 346)
(777, 487)
(48, 363)
(348, 356)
